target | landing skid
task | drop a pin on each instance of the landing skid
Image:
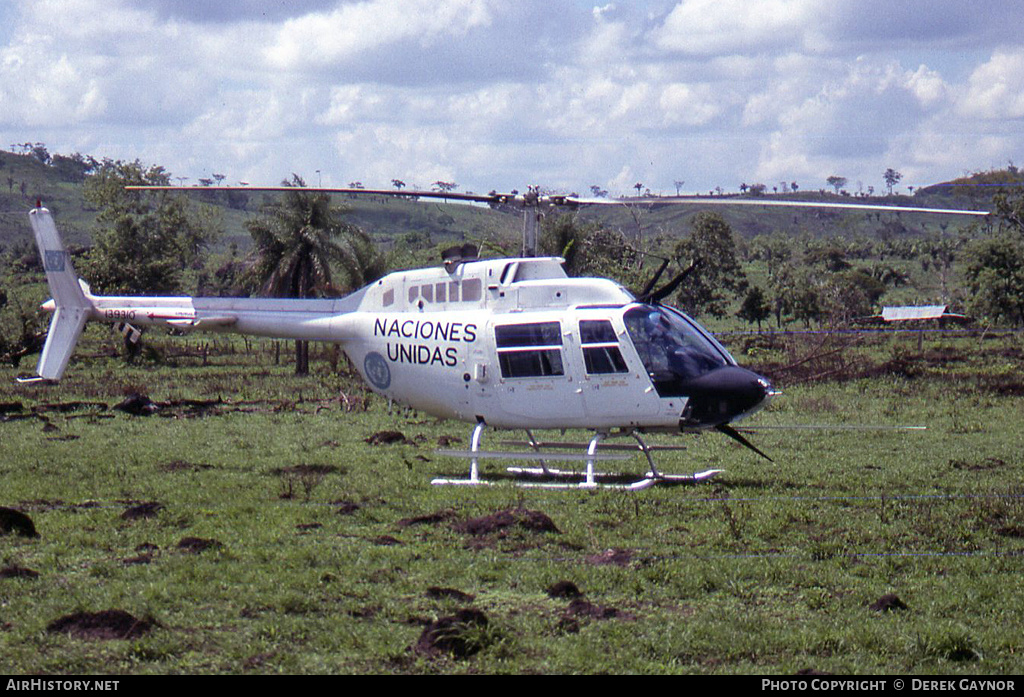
(545, 477)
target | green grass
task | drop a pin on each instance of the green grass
(767, 569)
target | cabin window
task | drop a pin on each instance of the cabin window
(529, 350)
(453, 292)
(472, 290)
(389, 297)
(414, 292)
(538, 334)
(427, 292)
(440, 292)
(601, 352)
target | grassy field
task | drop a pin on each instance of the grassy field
(250, 527)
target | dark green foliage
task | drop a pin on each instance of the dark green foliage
(297, 240)
(564, 237)
(995, 265)
(145, 240)
(755, 307)
(995, 278)
(718, 277)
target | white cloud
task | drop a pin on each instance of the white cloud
(712, 92)
(996, 88)
(713, 27)
(348, 31)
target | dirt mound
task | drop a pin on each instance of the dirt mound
(460, 635)
(195, 545)
(15, 571)
(564, 589)
(137, 405)
(581, 610)
(500, 522)
(888, 603)
(586, 609)
(183, 466)
(145, 510)
(108, 624)
(12, 521)
(439, 593)
(10, 407)
(616, 557)
(428, 519)
(346, 507)
(300, 470)
(386, 438)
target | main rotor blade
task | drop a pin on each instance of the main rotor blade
(735, 435)
(729, 201)
(454, 196)
(531, 198)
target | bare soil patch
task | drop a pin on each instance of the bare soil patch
(184, 466)
(616, 557)
(889, 602)
(15, 571)
(500, 522)
(564, 589)
(137, 405)
(346, 507)
(143, 511)
(16, 522)
(107, 624)
(387, 438)
(195, 545)
(428, 519)
(460, 635)
(440, 593)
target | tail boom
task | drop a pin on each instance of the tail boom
(73, 305)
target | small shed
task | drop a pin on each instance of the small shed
(907, 313)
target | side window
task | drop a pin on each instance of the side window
(529, 350)
(601, 347)
(472, 290)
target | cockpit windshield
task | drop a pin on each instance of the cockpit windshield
(672, 349)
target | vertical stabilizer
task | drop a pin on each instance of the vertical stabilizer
(72, 305)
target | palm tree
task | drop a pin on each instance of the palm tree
(296, 242)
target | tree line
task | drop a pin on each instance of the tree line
(302, 246)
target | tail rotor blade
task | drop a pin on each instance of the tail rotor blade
(738, 437)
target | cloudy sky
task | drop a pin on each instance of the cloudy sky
(498, 94)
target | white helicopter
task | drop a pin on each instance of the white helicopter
(506, 343)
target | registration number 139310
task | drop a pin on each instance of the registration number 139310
(120, 314)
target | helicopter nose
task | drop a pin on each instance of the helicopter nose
(724, 394)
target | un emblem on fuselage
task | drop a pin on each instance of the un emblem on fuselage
(377, 370)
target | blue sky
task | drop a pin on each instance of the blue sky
(499, 95)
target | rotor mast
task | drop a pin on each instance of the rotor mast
(531, 221)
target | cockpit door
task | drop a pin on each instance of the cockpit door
(615, 387)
